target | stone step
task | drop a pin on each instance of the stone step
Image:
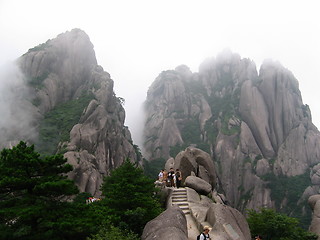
(186, 208)
(182, 204)
(179, 190)
(179, 200)
(176, 197)
(179, 195)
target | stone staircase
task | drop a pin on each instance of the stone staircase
(179, 197)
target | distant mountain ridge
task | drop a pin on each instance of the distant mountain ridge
(255, 126)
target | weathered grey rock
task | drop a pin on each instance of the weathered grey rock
(169, 164)
(314, 227)
(314, 202)
(62, 70)
(197, 161)
(165, 100)
(227, 221)
(193, 196)
(263, 167)
(196, 183)
(251, 124)
(315, 179)
(218, 197)
(247, 141)
(171, 224)
(255, 113)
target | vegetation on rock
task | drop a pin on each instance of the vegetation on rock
(290, 188)
(57, 124)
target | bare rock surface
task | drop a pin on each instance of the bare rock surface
(314, 202)
(201, 186)
(171, 224)
(197, 161)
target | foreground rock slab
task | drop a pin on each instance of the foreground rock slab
(171, 224)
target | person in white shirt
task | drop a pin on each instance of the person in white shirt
(205, 234)
(160, 176)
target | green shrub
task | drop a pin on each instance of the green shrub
(292, 189)
(111, 232)
(130, 198)
(272, 225)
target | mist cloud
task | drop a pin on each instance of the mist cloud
(16, 122)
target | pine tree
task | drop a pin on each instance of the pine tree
(130, 197)
(32, 190)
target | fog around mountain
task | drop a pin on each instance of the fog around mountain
(135, 40)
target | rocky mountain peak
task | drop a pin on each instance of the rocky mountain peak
(254, 126)
(75, 110)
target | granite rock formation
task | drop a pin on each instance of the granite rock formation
(64, 72)
(254, 125)
(207, 206)
(314, 202)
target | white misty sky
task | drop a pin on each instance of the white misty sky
(135, 40)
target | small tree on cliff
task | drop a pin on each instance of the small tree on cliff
(31, 193)
(130, 197)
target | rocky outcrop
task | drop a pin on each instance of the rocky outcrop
(171, 224)
(314, 202)
(226, 222)
(203, 205)
(64, 71)
(197, 161)
(254, 125)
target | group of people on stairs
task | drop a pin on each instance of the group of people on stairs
(171, 178)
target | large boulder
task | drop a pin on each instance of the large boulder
(197, 161)
(227, 221)
(171, 224)
(198, 184)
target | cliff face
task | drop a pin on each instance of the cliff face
(74, 96)
(255, 126)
